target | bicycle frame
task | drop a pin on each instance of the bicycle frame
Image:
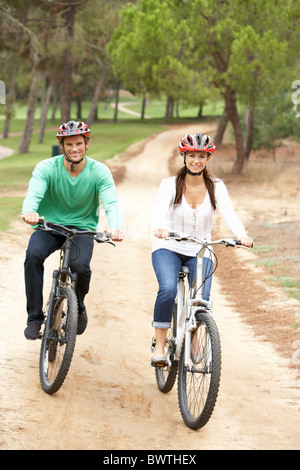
(187, 308)
(64, 271)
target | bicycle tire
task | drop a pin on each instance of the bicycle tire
(166, 376)
(57, 350)
(198, 388)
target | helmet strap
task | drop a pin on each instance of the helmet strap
(190, 172)
(73, 163)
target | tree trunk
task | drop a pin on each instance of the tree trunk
(143, 107)
(79, 107)
(221, 128)
(55, 102)
(233, 116)
(249, 133)
(45, 110)
(117, 103)
(169, 108)
(66, 89)
(10, 100)
(34, 88)
(200, 111)
(98, 90)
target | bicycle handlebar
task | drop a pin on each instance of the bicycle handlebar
(100, 237)
(225, 241)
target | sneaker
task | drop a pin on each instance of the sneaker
(82, 322)
(33, 330)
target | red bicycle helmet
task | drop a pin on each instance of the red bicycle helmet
(197, 142)
(73, 128)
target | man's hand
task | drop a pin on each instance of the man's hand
(32, 218)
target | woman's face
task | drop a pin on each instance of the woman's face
(196, 161)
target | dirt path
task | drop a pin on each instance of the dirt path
(110, 400)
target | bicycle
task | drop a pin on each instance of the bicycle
(192, 346)
(61, 311)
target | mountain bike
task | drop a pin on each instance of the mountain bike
(192, 346)
(61, 312)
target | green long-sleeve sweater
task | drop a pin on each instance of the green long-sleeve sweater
(63, 199)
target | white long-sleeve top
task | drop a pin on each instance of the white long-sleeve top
(195, 222)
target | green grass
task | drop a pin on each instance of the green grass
(262, 249)
(155, 109)
(290, 285)
(266, 262)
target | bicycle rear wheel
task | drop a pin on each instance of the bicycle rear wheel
(166, 376)
(198, 386)
(58, 344)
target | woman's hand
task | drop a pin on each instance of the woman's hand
(117, 236)
(247, 241)
(161, 233)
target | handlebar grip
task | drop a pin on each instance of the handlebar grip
(238, 242)
(174, 235)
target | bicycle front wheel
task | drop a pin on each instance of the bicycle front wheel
(166, 376)
(198, 385)
(58, 341)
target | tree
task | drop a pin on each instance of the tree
(66, 89)
(133, 48)
(244, 46)
(94, 35)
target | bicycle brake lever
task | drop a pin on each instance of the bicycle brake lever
(104, 240)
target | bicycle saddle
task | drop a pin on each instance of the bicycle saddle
(184, 270)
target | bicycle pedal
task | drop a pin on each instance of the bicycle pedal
(158, 363)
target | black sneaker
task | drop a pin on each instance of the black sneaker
(82, 322)
(33, 330)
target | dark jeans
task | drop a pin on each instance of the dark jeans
(41, 245)
(167, 265)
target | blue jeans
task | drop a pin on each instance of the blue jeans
(166, 265)
(41, 245)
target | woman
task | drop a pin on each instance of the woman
(187, 203)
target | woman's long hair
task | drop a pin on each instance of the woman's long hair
(209, 183)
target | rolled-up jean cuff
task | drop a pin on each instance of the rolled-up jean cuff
(162, 325)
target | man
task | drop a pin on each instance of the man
(66, 190)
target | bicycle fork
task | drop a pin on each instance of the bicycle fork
(51, 302)
(192, 307)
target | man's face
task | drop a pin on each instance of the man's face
(75, 147)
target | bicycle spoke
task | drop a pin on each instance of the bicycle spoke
(198, 385)
(57, 348)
